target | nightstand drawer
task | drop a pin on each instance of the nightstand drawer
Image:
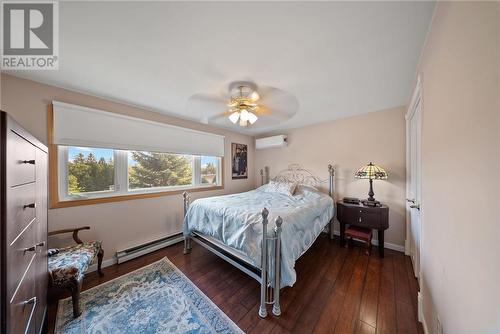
(371, 217)
(349, 216)
(359, 216)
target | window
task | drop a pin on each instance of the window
(209, 167)
(89, 170)
(155, 170)
(86, 173)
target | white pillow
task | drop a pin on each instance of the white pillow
(302, 188)
(286, 188)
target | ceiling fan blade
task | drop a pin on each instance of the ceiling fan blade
(220, 115)
(204, 106)
(279, 101)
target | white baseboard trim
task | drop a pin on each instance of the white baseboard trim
(105, 263)
(143, 249)
(114, 260)
(421, 316)
(424, 325)
(388, 245)
(420, 307)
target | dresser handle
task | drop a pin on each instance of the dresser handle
(30, 249)
(31, 162)
(359, 219)
(30, 206)
(31, 301)
(40, 244)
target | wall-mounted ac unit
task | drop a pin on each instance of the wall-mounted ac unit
(270, 142)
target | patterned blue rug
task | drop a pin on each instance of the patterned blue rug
(154, 299)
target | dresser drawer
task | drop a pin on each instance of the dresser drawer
(23, 225)
(20, 209)
(21, 254)
(23, 307)
(20, 160)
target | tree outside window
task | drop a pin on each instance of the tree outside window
(90, 173)
(150, 169)
(98, 172)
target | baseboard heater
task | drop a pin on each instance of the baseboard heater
(148, 247)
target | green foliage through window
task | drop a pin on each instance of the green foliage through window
(108, 172)
(87, 174)
(150, 169)
(209, 173)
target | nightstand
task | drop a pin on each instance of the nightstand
(376, 218)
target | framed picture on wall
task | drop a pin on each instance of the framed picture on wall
(239, 161)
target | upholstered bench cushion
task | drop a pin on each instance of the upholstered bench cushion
(359, 233)
(72, 262)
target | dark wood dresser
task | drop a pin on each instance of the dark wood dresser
(23, 232)
(376, 218)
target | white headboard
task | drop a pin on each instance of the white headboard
(296, 174)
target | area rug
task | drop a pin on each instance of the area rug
(154, 299)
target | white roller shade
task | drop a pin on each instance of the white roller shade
(80, 126)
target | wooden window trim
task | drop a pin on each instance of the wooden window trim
(55, 202)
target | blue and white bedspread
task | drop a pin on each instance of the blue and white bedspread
(236, 221)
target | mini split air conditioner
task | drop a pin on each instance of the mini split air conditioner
(270, 142)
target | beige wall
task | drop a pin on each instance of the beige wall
(121, 224)
(460, 165)
(349, 144)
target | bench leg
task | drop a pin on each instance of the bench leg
(75, 288)
(100, 255)
(349, 243)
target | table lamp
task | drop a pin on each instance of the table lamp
(371, 172)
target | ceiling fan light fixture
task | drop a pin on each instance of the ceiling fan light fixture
(242, 105)
(254, 96)
(244, 115)
(243, 122)
(234, 117)
(252, 118)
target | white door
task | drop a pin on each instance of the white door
(414, 228)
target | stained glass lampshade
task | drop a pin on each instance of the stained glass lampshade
(371, 172)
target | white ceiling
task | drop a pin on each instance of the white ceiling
(337, 58)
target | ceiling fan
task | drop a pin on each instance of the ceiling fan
(245, 104)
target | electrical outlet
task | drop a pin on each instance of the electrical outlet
(439, 326)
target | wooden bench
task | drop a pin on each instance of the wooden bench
(360, 233)
(68, 265)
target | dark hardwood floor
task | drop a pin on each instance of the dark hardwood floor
(338, 290)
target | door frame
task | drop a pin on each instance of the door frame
(415, 101)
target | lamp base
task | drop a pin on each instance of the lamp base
(372, 203)
(370, 192)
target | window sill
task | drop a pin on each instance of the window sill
(56, 204)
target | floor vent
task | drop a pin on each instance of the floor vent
(148, 247)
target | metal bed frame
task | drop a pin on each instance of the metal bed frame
(271, 244)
